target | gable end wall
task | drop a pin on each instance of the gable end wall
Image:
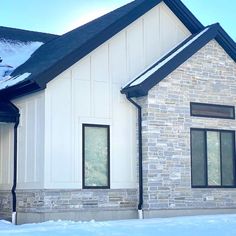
(209, 76)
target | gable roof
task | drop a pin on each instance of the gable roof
(157, 72)
(16, 47)
(7, 33)
(57, 55)
(54, 57)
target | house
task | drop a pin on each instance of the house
(132, 114)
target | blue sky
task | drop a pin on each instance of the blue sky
(60, 16)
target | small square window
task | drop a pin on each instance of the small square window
(96, 156)
(212, 110)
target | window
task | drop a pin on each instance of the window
(211, 110)
(213, 158)
(96, 156)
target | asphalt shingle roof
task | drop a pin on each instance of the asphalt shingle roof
(7, 33)
(61, 52)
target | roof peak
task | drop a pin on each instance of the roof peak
(59, 53)
(169, 62)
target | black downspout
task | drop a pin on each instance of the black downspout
(140, 151)
(13, 191)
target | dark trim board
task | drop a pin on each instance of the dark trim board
(54, 58)
(83, 156)
(9, 113)
(185, 16)
(142, 89)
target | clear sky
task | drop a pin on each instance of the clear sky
(60, 16)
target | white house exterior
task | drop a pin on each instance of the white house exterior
(82, 108)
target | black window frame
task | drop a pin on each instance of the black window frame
(83, 156)
(205, 130)
(212, 105)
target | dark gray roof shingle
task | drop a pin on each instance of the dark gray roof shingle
(25, 35)
(61, 52)
(54, 57)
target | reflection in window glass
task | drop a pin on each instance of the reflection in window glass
(227, 150)
(96, 155)
(213, 154)
(213, 158)
(198, 158)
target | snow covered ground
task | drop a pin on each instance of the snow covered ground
(222, 225)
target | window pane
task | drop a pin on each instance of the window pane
(227, 150)
(95, 156)
(213, 158)
(198, 158)
(210, 110)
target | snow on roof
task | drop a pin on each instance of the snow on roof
(148, 73)
(8, 81)
(13, 54)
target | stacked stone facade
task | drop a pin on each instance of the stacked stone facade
(76, 204)
(209, 76)
(5, 205)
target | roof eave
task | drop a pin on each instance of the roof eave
(226, 42)
(20, 89)
(185, 15)
(43, 78)
(172, 64)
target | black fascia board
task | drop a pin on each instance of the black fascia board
(226, 42)
(185, 15)
(9, 113)
(8, 118)
(23, 88)
(158, 62)
(143, 88)
(179, 9)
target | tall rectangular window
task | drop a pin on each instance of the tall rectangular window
(213, 158)
(96, 156)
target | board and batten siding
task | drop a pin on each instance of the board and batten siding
(30, 143)
(89, 92)
(6, 155)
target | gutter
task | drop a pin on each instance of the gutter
(140, 151)
(13, 191)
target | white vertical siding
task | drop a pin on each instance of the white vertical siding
(59, 122)
(50, 129)
(6, 156)
(152, 38)
(135, 49)
(30, 141)
(118, 53)
(172, 31)
(89, 92)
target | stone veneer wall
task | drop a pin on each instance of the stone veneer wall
(5, 205)
(209, 76)
(57, 201)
